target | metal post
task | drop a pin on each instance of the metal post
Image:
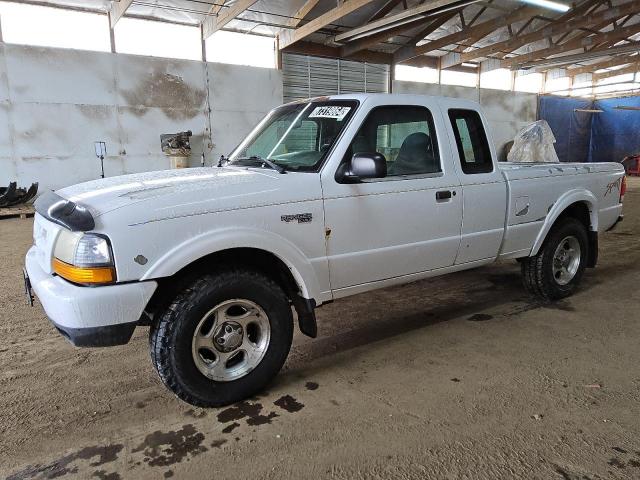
(203, 44)
(112, 34)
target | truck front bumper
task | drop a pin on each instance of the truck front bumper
(89, 316)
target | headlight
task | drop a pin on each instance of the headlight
(83, 258)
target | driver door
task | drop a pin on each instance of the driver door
(405, 224)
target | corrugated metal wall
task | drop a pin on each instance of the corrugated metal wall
(305, 76)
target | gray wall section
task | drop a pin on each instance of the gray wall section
(54, 103)
(507, 112)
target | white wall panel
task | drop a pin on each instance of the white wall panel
(55, 103)
(52, 75)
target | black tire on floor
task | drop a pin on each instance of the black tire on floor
(171, 335)
(537, 271)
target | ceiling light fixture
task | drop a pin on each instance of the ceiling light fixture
(556, 6)
(469, 65)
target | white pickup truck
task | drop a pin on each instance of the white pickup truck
(325, 198)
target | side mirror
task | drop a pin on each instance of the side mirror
(361, 166)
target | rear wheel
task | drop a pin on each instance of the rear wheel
(557, 269)
(223, 338)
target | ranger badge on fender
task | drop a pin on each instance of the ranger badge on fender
(300, 217)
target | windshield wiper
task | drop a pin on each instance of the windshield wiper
(266, 161)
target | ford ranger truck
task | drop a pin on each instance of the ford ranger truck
(325, 198)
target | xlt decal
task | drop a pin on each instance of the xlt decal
(300, 217)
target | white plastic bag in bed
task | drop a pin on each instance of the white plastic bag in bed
(534, 144)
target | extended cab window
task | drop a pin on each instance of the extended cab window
(473, 148)
(405, 135)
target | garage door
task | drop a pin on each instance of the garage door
(305, 76)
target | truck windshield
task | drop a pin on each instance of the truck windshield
(296, 136)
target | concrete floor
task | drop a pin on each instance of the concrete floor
(458, 377)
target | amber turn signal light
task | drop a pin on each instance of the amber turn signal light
(84, 275)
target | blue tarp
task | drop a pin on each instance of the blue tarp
(608, 136)
(615, 133)
(572, 129)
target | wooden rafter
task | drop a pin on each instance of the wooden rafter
(321, 50)
(118, 9)
(633, 68)
(367, 42)
(611, 43)
(302, 12)
(480, 30)
(556, 28)
(411, 16)
(583, 32)
(420, 35)
(614, 62)
(213, 23)
(588, 6)
(289, 38)
(384, 10)
(575, 44)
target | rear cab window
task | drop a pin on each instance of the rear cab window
(471, 140)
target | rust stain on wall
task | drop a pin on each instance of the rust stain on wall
(177, 99)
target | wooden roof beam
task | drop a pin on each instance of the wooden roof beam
(614, 62)
(369, 56)
(118, 9)
(515, 63)
(302, 12)
(384, 10)
(288, 38)
(633, 68)
(556, 28)
(413, 16)
(367, 42)
(212, 24)
(481, 29)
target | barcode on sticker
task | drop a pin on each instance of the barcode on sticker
(330, 112)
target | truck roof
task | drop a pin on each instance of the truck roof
(388, 97)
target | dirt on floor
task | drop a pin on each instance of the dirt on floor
(463, 376)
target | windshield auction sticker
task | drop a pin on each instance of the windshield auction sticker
(330, 112)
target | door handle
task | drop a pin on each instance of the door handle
(444, 195)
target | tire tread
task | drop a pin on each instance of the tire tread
(162, 330)
(533, 268)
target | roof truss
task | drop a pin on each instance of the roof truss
(213, 23)
(118, 9)
(288, 38)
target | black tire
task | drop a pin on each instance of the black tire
(171, 335)
(537, 271)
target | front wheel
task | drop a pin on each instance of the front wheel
(223, 338)
(557, 269)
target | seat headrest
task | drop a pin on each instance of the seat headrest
(418, 142)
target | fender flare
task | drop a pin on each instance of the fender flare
(207, 243)
(566, 200)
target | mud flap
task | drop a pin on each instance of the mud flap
(592, 258)
(305, 308)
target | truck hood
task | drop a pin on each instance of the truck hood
(168, 193)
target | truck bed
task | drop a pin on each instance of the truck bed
(532, 204)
